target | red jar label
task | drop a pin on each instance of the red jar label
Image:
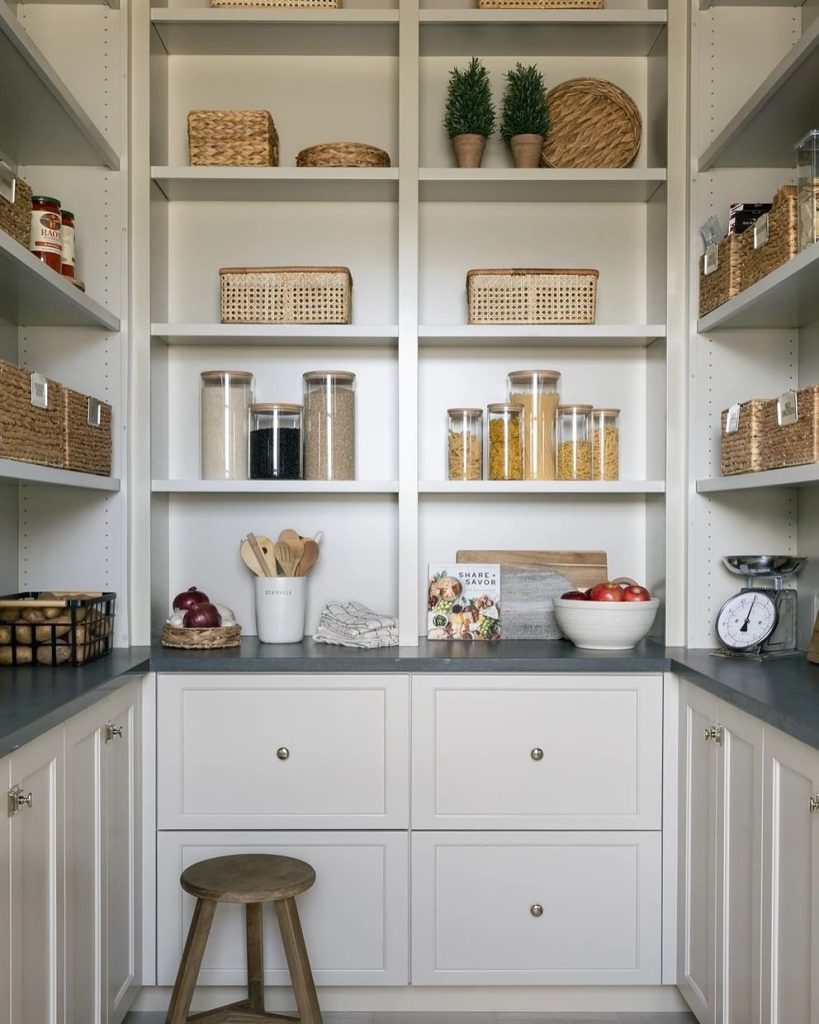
(46, 232)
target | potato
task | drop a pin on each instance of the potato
(45, 633)
(10, 614)
(20, 656)
(22, 634)
(5, 634)
(33, 615)
(60, 655)
(51, 613)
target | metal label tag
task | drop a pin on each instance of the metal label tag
(8, 183)
(761, 231)
(711, 260)
(787, 409)
(732, 420)
(94, 412)
(39, 391)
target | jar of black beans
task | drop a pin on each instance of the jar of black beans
(275, 441)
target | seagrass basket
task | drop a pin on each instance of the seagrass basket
(722, 282)
(742, 450)
(286, 295)
(201, 639)
(15, 218)
(232, 138)
(792, 444)
(592, 123)
(774, 239)
(585, 5)
(521, 296)
(29, 433)
(88, 438)
(343, 154)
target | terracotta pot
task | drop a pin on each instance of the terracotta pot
(526, 150)
(469, 149)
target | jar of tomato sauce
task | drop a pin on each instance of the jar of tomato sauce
(67, 239)
(46, 231)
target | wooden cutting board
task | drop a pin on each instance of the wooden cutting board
(529, 582)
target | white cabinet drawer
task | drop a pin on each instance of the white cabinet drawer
(354, 917)
(600, 895)
(284, 751)
(477, 745)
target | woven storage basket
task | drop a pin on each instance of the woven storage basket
(723, 283)
(27, 432)
(201, 639)
(793, 444)
(286, 295)
(88, 438)
(742, 451)
(15, 218)
(232, 138)
(782, 241)
(593, 123)
(586, 5)
(343, 154)
(275, 3)
(531, 296)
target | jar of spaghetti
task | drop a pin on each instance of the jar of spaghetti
(505, 429)
(45, 240)
(538, 392)
(67, 240)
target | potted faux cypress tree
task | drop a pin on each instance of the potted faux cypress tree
(470, 113)
(525, 118)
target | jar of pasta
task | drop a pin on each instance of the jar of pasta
(538, 392)
(605, 439)
(464, 444)
(505, 430)
(573, 442)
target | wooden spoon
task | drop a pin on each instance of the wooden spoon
(308, 559)
(261, 556)
(284, 557)
(264, 566)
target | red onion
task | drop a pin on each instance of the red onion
(202, 616)
(188, 598)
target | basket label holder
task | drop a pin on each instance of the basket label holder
(711, 260)
(732, 419)
(761, 231)
(94, 412)
(787, 409)
(39, 391)
(8, 182)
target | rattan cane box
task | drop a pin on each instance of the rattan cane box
(286, 295)
(532, 296)
(585, 5)
(791, 444)
(722, 282)
(232, 138)
(28, 432)
(88, 437)
(275, 3)
(773, 240)
(15, 218)
(742, 449)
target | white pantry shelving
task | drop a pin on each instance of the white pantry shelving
(27, 472)
(280, 184)
(794, 476)
(275, 486)
(541, 184)
(587, 488)
(541, 336)
(321, 335)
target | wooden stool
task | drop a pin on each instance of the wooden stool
(253, 879)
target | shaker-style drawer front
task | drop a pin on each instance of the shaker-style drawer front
(540, 752)
(284, 751)
(354, 917)
(519, 908)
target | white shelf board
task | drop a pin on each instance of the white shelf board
(41, 121)
(342, 32)
(783, 109)
(274, 486)
(795, 476)
(706, 5)
(28, 473)
(787, 297)
(610, 33)
(590, 488)
(279, 184)
(275, 334)
(542, 184)
(33, 295)
(546, 335)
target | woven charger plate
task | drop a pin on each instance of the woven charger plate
(593, 123)
(343, 154)
(201, 639)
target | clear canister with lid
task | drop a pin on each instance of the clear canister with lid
(605, 440)
(538, 391)
(225, 403)
(505, 430)
(574, 461)
(275, 441)
(464, 444)
(329, 425)
(807, 185)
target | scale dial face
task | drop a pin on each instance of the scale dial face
(746, 620)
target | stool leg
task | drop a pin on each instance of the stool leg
(255, 956)
(301, 977)
(191, 962)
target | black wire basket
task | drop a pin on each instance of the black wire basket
(56, 627)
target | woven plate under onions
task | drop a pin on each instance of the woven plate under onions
(593, 123)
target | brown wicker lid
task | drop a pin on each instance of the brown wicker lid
(340, 375)
(505, 407)
(276, 407)
(575, 408)
(593, 123)
(219, 374)
(521, 375)
(464, 412)
(343, 154)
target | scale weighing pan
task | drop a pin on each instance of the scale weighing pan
(763, 565)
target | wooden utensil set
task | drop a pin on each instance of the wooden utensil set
(290, 555)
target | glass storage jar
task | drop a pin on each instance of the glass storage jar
(464, 444)
(45, 239)
(538, 391)
(807, 185)
(605, 442)
(505, 430)
(275, 441)
(329, 425)
(225, 402)
(573, 444)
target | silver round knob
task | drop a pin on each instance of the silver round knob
(25, 801)
(282, 753)
(536, 754)
(536, 910)
(813, 803)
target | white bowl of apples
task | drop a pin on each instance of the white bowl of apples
(613, 615)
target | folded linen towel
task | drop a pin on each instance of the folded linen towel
(352, 624)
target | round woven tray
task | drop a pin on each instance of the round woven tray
(593, 123)
(343, 154)
(201, 639)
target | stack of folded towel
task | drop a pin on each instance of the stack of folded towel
(354, 625)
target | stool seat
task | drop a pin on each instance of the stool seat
(247, 878)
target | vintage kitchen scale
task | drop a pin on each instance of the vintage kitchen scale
(760, 621)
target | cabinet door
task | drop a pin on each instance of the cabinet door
(5, 892)
(790, 896)
(264, 751)
(37, 883)
(567, 752)
(524, 908)
(698, 849)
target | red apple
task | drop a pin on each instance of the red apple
(574, 595)
(606, 592)
(635, 593)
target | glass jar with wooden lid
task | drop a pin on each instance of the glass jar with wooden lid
(329, 425)
(275, 441)
(574, 460)
(605, 440)
(464, 444)
(538, 391)
(505, 431)
(225, 400)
